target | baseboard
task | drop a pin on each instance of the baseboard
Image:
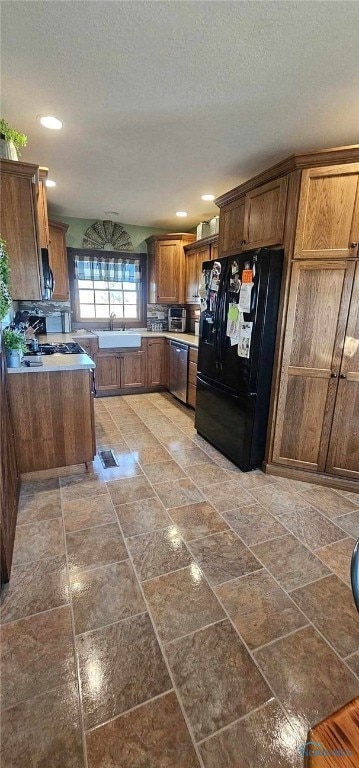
(318, 478)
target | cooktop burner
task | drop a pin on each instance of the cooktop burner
(71, 348)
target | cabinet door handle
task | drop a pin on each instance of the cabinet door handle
(353, 245)
(333, 375)
(343, 376)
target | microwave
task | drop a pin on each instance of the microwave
(177, 319)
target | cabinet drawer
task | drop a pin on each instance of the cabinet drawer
(192, 373)
(193, 355)
(191, 395)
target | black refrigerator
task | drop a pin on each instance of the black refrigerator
(239, 310)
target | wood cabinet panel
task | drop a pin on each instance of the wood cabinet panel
(108, 374)
(42, 217)
(9, 476)
(58, 259)
(156, 373)
(192, 277)
(193, 354)
(194, 261)
(191, 395)
(19, 228)
(169, 270)
(343, 455)
(59, 431)
(214, 251)
(265, 214)
(328, 214)
(166, 267)
(133, 370)
(231, 228)
(316, 321)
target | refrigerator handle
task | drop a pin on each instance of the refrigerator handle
(217, 316)
(222, 325)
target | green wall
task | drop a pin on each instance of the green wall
(77, 229)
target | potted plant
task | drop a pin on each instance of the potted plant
(15, 346)
(5, 298)
(10, 141)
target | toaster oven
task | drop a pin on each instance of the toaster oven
(177, 319)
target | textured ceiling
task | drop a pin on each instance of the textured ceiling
(164, 101)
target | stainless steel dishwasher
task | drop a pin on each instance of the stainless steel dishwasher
(179, 370)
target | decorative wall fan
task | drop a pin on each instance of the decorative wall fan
(107, 236)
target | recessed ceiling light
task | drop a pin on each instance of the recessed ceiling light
(181, 214)
(207, 197)
(51, 122)
(50, 183)
(112, 213)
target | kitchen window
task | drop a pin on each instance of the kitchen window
(106, 283)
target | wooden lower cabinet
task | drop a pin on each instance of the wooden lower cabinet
(108, 371)
(118, 370)
(133, 370)
(317, 423)
(156, 363)
(54, 418)
(9, 477)
(192, 377)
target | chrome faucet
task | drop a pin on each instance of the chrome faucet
(112, 318)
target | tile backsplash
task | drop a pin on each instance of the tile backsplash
(44, 307)
(157, 317)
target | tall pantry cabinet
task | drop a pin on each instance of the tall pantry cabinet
(313, 432)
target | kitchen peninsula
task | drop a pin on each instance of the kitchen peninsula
(54, 425)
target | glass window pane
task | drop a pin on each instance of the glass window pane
(116, 297)
(117, 285)
(87, 310)
(129, 298)
(86, 297)
(117, 309)
(130, 311)
(129, 286)
(85, 283)
(102, 310)
(101, 297)
(100, 284)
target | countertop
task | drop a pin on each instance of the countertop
(53, 363)
(186, 338)
(80, 362)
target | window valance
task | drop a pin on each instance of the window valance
(110, 269)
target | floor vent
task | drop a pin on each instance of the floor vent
(108, 459)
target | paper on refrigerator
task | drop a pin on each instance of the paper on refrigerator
(245, 297)
(244, 342)
(234, 319)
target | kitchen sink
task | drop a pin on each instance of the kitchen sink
(109, 339)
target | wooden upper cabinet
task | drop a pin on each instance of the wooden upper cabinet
(264, 217)
(231, 228)
(316, 321)
(156, 362)
(191, 276)
(42, 217)
(167, 267)
(18, 216)
(214, 251)
(58, 259)
(194, 260)
(343, 456)
(133, 370)
(328, 213)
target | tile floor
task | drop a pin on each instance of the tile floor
(173, 612)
